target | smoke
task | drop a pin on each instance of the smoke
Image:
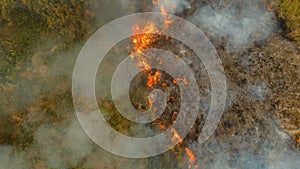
(244, 159)
(63, 143)
(261, 153)
(54, 146)
(9, 159)
(62, 146)
(240, 24)
(171, 6)
(106, 10)
(258, 91)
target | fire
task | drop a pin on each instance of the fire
(161, 125)
(167, 20)
(141, 42)
(298, 141)
(190, 154)
(174, 116)
(165, 4)
(153, 79)
(176, 136)
(162, 9)
(183, 80)
(144, 41)
(188, 151)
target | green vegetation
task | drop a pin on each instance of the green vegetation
(26, 24)
(289, 10)
(116, 120)
(32, 34)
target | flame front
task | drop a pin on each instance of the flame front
(190, 154)
(153, 79)
(144, 41)
(176, 136)
(141, 42)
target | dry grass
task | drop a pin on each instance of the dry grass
(290, 11)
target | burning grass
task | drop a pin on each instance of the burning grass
(145, 41)
(246, 124)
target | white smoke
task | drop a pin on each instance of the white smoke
(62, 146)
(172, 6)
(240, 23)
(65, 145)
(9, 159)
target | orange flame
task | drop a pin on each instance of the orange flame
(141, 42)
(161, 125)
(153, 79)
(180, 79)
(298, 141)
(174, 115)
(176, 136)
(144, 41)
(167, 21)
(190, 154)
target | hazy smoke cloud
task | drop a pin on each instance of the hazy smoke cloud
(64, 145)
(172, 6)
(230, 154)
(258, 91)
(239, 23)
(10, 159)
